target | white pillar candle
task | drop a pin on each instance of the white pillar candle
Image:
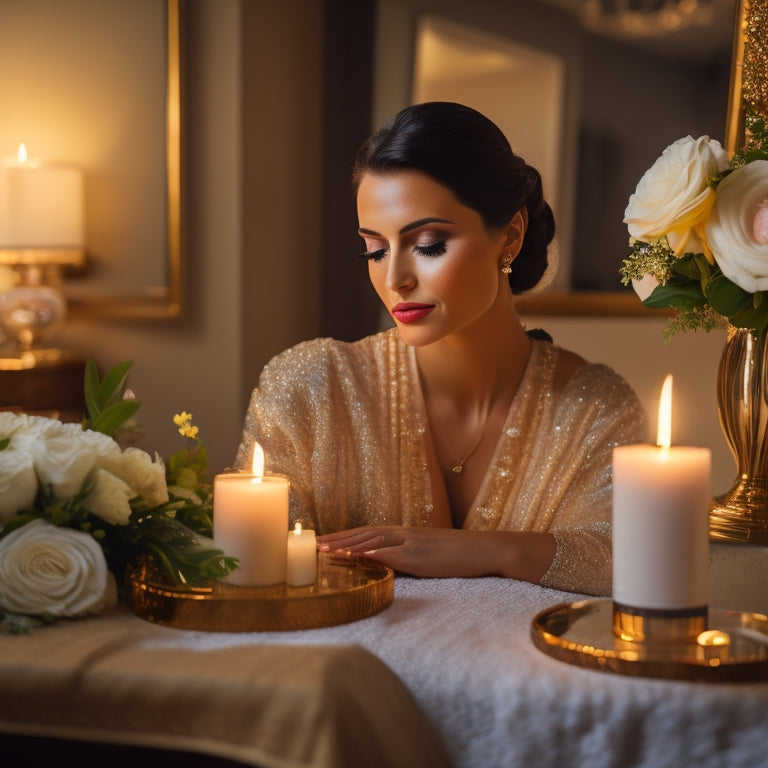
(302, 557)
(41, 206)
(250, 518)
(661, 497)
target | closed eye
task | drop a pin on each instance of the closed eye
(438, 248)
(374, 255)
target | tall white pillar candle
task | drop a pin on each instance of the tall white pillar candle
(250, 518)
(661, 497)
(302, 557)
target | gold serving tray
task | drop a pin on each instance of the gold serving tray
(734, 648)
(346, 590)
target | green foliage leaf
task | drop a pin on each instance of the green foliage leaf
(4, 443)
(685, 294)
(114, 416)
(726, 297)
(184, 556)
(106, 410)
(690, 267)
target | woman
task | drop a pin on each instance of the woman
(454, 444)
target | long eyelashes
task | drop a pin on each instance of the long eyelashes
(374, 255)
(438, 248)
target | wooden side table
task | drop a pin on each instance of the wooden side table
(50, 383)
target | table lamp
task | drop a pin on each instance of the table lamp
(41, 235)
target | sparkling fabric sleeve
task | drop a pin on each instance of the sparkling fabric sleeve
(611, 415)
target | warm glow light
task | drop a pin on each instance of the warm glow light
(21, 155)
(664, 435)
(257, 464)
(297, 529)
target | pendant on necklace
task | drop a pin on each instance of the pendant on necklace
(458, 469)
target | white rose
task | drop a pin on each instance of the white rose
(674, 195)
(146, 477)
(109, 498)
(18, 482)
(740, 251)
(64, 455)
(50, 571)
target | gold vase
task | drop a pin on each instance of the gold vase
(741, 514)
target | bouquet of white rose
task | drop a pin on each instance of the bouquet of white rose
(76, 510)
(699, 234)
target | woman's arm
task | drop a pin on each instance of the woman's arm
(448, 552)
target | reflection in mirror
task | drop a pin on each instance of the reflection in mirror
(636, 94)
(96, 87)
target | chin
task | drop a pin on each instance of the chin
(418, 337)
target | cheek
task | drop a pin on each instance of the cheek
(467, 281)
(377, 275)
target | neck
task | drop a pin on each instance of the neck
(477, 367)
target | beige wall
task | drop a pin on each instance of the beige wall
(250, 244)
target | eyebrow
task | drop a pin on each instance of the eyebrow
(413, 225)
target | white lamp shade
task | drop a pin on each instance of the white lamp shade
(41, 207)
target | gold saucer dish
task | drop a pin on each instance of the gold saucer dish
(732, 648)
(346, 590)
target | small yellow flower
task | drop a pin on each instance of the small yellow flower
(183, 421)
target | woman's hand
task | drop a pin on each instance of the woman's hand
(447, 552)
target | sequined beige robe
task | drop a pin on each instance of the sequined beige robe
(346, 423)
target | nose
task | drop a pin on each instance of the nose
(400, 274)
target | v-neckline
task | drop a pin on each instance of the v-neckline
(507, 431)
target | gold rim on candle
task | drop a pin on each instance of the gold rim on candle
(658, 626)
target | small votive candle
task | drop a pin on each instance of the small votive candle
(302, 557)
(250, 517)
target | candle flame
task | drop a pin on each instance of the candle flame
(297, 529)
(257, 463)
(21, 155)
(664, 435)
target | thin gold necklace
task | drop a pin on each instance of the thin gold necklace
(458, 468)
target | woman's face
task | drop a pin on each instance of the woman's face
(430, 258)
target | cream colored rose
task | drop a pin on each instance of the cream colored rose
(140, 472)
(674, 196)
(737, 248)
(51, 572)
(109, 498)
(65, 454)
(18, 482)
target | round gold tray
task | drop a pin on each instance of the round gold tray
(734, 648)
(346, 590)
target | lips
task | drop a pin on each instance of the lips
(410, 312)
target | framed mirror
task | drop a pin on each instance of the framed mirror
(590, 105)
(95, 85)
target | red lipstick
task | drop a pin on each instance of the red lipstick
(410, 312)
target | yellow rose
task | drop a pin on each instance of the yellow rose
(674, 197)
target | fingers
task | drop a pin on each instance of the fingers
(359, 540)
